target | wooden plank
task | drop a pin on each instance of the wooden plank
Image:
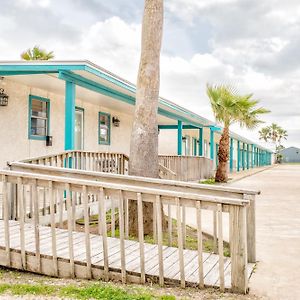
(35, 201)
(169, 225)
(239, 277)
(220, 247)
(141, 236)
(160, 239)
(113, 219)
(70, 229)
(215, 228)
(104, 232)
(51, 193)
(200, 245)
(87, 233)
(180, 244)
(122, 233)
(251, 229)
(6, 222)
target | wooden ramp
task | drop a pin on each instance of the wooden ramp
(132, 251)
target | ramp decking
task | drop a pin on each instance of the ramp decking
(170, 255)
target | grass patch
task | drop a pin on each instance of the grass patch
(208, 181)
(91, 291)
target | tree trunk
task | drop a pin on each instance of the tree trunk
(144, 137)
(223, 157)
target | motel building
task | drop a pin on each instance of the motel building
(78, 109)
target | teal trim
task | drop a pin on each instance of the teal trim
(215, 128)
(211, 146)
(194, 146)
(200, 141)
(69, 115)
(247, 157)
(95, 86)
(252, 158)
(238, 156)
(101, 113)
(243, 156)
(179, 138)
(31, 136)
(176, 127)
(14, 73)
(42, 68)
(231, 155)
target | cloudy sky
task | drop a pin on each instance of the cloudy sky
(252, 44)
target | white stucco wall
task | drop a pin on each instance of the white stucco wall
(14, 142)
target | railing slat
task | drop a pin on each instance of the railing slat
(36, 225)
(51, 193)
(20, 195)
(220, 247)
(180, 243)
(141, 236)
(70, 230)
(122, 241)
(169, 225)
(200, 245)
(87, 233)
(104, 232)
(6, 220)
(160, 239)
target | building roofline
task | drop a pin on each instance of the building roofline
(86, 65)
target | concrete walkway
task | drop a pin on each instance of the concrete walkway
(278, 232)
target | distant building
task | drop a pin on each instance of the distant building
(291, 154)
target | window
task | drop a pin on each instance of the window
(39, 115)
(104, 128)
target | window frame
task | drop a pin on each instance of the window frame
(32, 136)
(101, 113)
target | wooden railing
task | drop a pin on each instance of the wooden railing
(173, 195)
(184, 168)
(116, 163)
(187, 168)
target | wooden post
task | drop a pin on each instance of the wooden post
(6, 222)
(251, 229)
(239, 274)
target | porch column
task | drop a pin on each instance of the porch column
(69, 115)
(238, 156)
(179, 138)
(243, 156)
(231, 155)
(212, 144)
(200, 142)
(252, 156)
(248, 157)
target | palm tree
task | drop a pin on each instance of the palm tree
(36, 53)
(229, 107)
(274, 133)
(144, 137)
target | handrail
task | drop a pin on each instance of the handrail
(144, 180)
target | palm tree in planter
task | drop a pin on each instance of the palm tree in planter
(36, 53)
(229, 107)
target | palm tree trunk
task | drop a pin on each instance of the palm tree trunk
(144, 136)
(223, 157)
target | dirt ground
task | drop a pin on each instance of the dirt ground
(15, 277)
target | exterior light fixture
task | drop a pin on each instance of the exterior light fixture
(116, 121)
(184, 138)
(3, 98)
